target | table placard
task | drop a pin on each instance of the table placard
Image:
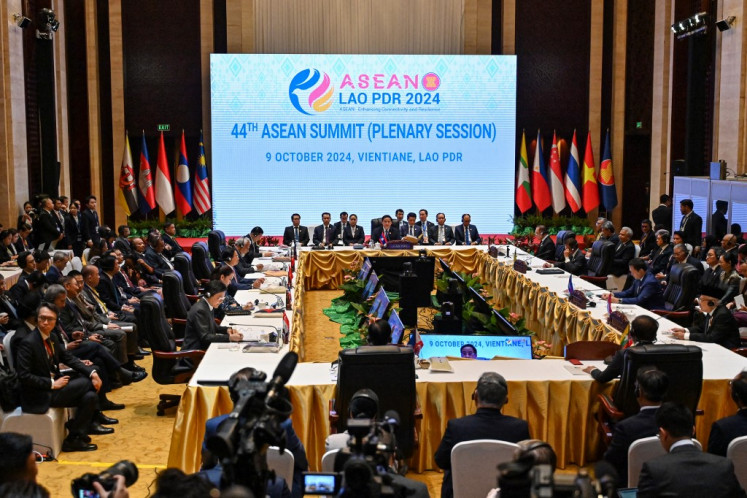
(398, 245)
(578, 298)
(521, 266)
(618, 321)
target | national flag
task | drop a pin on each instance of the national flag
(591, 189)
(127, 194)
(382, 238)
(523, 187)
(540, 188)
(145, 182)
(609, 303)
(570, 283)
(556, 177)
(164, 193)
(573, 178)
(415, 341)
(183, 189)
(607, 178)
(202, 188)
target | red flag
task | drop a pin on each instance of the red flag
(164, 193)
(590, 186)
(540, 188)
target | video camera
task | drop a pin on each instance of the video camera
(365, 463)
(254, 425)
(522, 478)
(82, 486)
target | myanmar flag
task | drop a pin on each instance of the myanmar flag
(523, 187)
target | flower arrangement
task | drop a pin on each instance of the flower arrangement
(268, 241)
(540, 349)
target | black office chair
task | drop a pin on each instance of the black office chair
(600, 263)
(201, 264)
(183, 264)
(560, 246)
(216, 243)
(679, 294)
(176, 302)
(375, 222)
(390, 372)
(682, 364)
(169, 365)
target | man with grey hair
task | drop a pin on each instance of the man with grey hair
(59, 261)
(488, 422)
(624, 252)
(608, 232)
(244, 246)
(682, 256)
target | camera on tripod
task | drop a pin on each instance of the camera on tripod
(82, 486)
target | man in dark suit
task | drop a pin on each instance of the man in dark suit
(108, 291)
(354, 233)
(59, 261)
(624, 252)
(727, 429)
(296, 232)
(201, 329)
(574, 261)
(27, 263)
(24, 239)
(59, 219)
(546, 249)
(718, 325)
(691, 224)
(662, 215)
(488, 423)
(123, 240)
(659, 259)
(38, 359)
(682, 256)
(645, 292)
(324, 234)
(399, 221)
(90, 223)
(648, 240)
(13, 319)
(719, 224)
(386, 232)
(642, 332)
(33, 283)
(466, 234)
(340, 226)
(411, 228)
(651, 386)
(73, 234)
(171, 246)
(425, 226)
(441, 233)
(685, 470)
(46, 232)
(156, 258)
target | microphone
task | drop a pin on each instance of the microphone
(391, 420)
(282, 374)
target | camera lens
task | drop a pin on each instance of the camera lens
(124, 468)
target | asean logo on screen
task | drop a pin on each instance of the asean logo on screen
(310, 91)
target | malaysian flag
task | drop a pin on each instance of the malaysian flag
(201, 196)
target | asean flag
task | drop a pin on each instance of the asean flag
(183, 188)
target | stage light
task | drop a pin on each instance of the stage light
(21, 20)
(696, 24)
(726, 24)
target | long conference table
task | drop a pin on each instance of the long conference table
(558, 402)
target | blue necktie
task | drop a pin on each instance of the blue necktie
(466, 235)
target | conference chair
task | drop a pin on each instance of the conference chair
(6, 346)
(559, 246)
(681, 289)
(737, 453)
(643, 450)
(590, 350)
(201, 264)
(216, 243)
(375, 222)
(600, 263)
(390, 372)
(183, 264)
(328, 460)
(682, 364)
(282, 464)
(176, 302)
(473, 465)
(170, 365)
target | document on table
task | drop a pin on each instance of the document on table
(253, 334)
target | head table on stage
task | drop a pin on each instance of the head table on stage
(559, 405)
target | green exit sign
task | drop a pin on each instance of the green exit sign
(164, 127)
(638, 124)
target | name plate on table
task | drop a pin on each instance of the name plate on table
(493, 251)
(399, 245)
(618, 321)
(578, 298)
(521, 266)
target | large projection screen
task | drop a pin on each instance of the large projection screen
(366, 134)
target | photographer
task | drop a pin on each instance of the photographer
(364, 405)
(517, 478)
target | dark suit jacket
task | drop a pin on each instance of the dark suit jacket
(417, 231)
(53, 274)
(348, 237)
(303, 235)
(18, 291)
(124, 246)
(108, 292)
(73, 233)
(692, 229)
(722, 330)
(622, 256)
(662, 217)
(45, 229)
(201, 329)
(487, 423)
(71, 319)
(459, 235)
(546, 249)
(21, 332)
(660, 259)
(576, 264)
(318, 238)
(711, 277)
(627, 431)
(615, 367)
(719, 224)
(156, 262)
(34, 368)
(646, 293)
(339, 230)
(20, 246)
(14, 321)
(89, 227)
(175, 247)
(724, 431)
(448, 234)
(687, 471)
(121, 282)
(697, 264)
(377, 231)
(647, 244)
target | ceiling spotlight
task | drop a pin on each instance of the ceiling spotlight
(696, 24)
(726, 24)
(21, 20)
(48, 24)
